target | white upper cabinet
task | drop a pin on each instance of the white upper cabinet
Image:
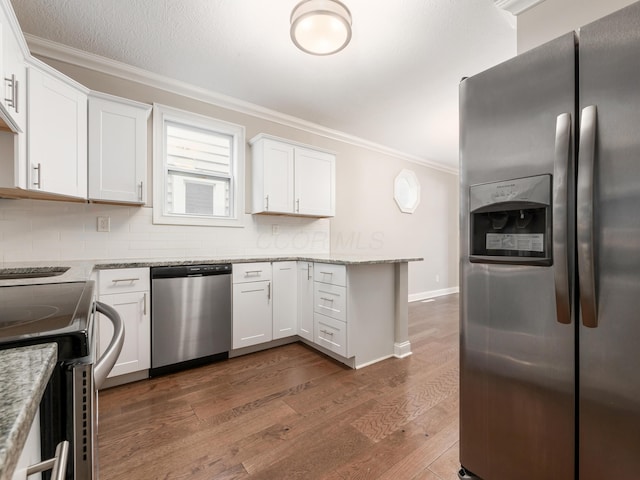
(314, 183)
(293, 179)
(57, 132)
(117, 149)
(13, 67)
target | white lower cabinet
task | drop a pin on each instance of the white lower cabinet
(305, 300)
(132, 302)
(346, 312)
(285, 280)
(330, 307)
(252, 306)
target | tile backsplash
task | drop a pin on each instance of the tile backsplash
(36, 230)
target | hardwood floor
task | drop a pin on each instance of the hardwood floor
(293, 413)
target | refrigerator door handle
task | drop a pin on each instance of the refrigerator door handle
(585, 233)
(560, 217)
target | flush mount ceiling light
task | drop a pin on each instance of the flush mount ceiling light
(320, 27)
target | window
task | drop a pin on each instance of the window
(198, 169)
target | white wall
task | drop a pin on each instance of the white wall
(367, 221)
(553, 18)
(36, 230)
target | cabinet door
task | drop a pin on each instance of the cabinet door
(136, 351)
(285, 281)
(15, 75)
(277, 165)
(252, 315)
(117, 151)
(314, 183)
(57, 139)
(305, 300)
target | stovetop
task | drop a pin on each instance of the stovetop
(54, 312)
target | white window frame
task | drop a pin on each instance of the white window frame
(163, 114)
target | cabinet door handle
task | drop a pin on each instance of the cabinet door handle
(298, 205)
(116, 280)
(15, 95)
(39, 182)
(266, 207)
(269, 291)
(144, 304)
(11, 100)
(140, 186)
(309, 270)
(57, 464)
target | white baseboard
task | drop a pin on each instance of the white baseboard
(415, 297)
(402, 350)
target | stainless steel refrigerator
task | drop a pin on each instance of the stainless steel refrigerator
(550, 260)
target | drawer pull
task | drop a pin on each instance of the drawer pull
(326, 273)
(254, 290)
(116, 280)
(252, 272)
(326, 332)
(326, 299)
(329, 308)
(329, 293)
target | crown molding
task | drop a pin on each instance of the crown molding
(516, 7)
(73, 56)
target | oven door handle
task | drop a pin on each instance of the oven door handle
(108, 359)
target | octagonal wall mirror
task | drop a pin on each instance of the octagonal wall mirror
(406, 191)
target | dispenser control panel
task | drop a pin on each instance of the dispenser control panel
(511, 221)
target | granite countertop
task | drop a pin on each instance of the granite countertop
(80, 271)
(24, 375)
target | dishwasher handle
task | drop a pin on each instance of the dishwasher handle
(108, 359)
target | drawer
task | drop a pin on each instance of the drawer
(123, 280)
(330, 300)
(251, 272)
(330, 334)
(330, 273)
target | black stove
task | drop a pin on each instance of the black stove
(53, 312)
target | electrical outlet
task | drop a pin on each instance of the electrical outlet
(104, 224)
(275, 229)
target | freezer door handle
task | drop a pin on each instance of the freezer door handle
(560, 217)
(586, 254)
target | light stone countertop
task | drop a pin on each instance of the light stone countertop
(80, 271)
(24, 375)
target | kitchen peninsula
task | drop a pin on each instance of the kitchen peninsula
(368, 323)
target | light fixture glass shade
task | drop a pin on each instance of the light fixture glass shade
(320, 27)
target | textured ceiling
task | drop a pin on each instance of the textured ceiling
(396, 84)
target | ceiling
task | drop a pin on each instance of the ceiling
(395, 85)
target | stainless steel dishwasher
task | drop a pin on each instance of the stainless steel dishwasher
(190, 316)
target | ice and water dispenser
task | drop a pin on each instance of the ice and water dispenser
(511, 221)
